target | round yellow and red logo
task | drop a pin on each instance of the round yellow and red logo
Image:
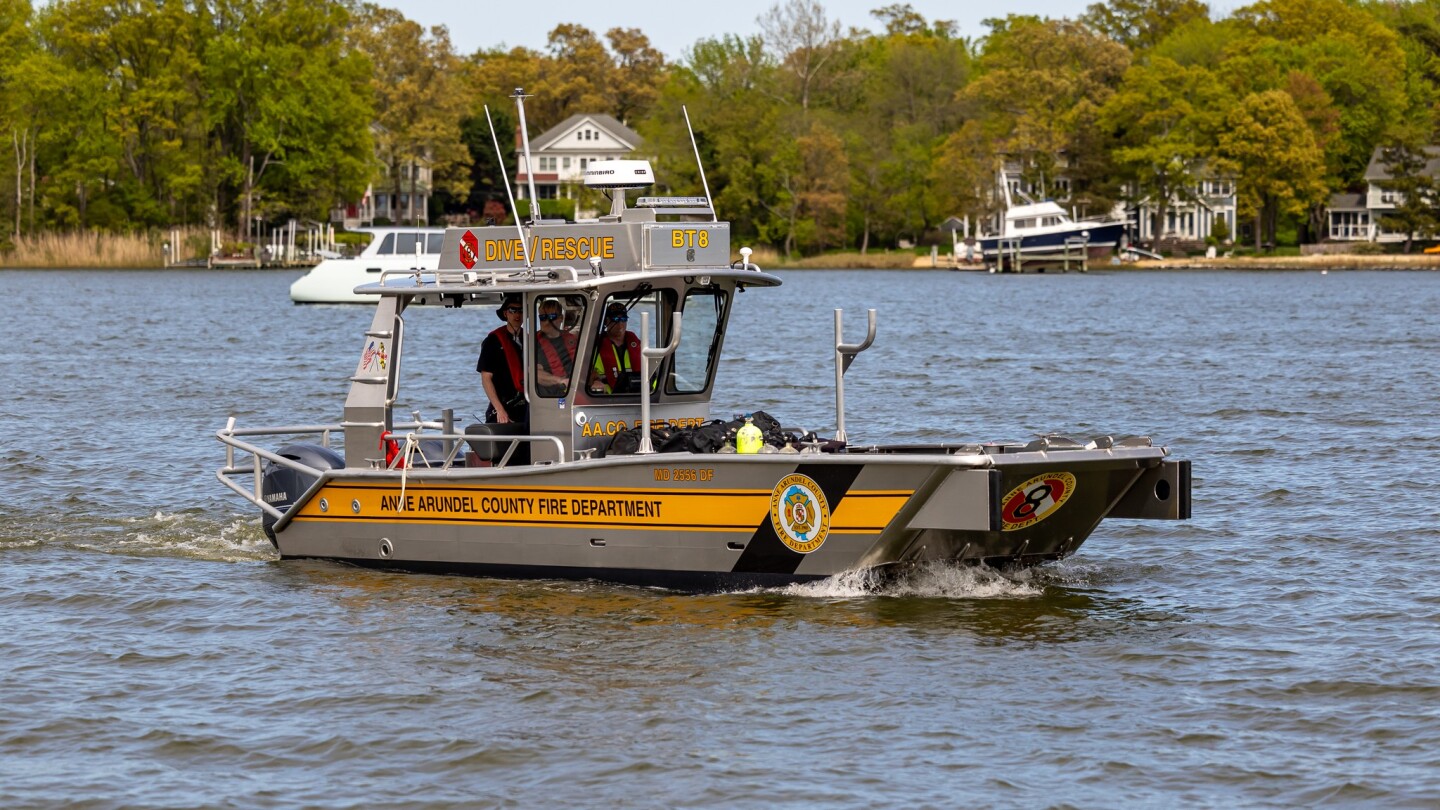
(799, 513)
(1035, 500)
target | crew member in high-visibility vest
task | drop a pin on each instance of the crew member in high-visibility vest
(618, 355)
(501, 370)
(554, 351)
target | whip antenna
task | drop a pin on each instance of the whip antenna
(504, 175)
(519, 96)
(699, 165)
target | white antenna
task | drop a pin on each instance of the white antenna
(519, 96)
(698, 165)
(504, 175)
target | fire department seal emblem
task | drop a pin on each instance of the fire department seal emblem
(1035, 500)
(799, 513)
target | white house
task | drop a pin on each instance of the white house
(1191, 219)
(1355, 217)
(563, 151)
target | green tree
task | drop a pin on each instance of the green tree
(1168, 117)
(804, 41)
(1142, 24)
(147, 54)
(637, 74)
(1278, 166)
(964, 172)
(1418, 25)
(419, 103)
(17, 114)
(717, 77)
(1355, 59)
(289, 108)
(1037, 82)
(575, 78)
(905, 108)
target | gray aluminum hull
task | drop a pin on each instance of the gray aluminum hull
(724, 521)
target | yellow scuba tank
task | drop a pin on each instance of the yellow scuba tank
(749, 439)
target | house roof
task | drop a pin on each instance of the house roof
(606, 123)
(1377, 171)
(1347, 202)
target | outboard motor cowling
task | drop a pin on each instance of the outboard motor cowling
(282, 486)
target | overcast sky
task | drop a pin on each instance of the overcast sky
(675, 25)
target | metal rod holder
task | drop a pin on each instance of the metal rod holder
(646, 355)
(844, 356)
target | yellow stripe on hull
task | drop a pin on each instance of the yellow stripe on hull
(700, 510)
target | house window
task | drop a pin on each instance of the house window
(579, 136)
(565, 162)
(582, 163)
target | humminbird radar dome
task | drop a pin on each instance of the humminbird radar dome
(618, 176)
(622, 175)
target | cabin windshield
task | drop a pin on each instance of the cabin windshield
(615, 365)
(704, 320)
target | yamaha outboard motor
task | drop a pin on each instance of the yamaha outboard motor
(282, 486)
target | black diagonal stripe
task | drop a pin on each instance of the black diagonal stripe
(765, 553)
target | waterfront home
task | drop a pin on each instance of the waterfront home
(1355, 216)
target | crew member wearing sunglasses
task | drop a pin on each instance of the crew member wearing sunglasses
(502, 371)
(617, 360)
(554, 351)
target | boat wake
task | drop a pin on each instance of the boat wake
(162, 534)
(931, 580)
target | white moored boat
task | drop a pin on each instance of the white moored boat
(333, 281)
(1035, 233)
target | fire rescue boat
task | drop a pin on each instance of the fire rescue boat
(561, 496)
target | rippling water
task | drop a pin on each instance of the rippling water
(1282, 648)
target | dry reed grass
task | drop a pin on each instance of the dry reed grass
(1334, 261)
(85, 250)
(874, 260)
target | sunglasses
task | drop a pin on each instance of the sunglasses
(549, 316)
(513, 309)
(618, 318)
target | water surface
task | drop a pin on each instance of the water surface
(1282, 648)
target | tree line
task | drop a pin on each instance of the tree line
(125, 116)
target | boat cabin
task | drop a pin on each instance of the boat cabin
(657, 277)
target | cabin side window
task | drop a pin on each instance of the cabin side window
(557, 337)
(615, 361)
(405, 243)
(387, 245)
(434, 242)
(704, 318)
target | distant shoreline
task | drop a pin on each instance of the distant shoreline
(1413, 261)
(891, 261)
